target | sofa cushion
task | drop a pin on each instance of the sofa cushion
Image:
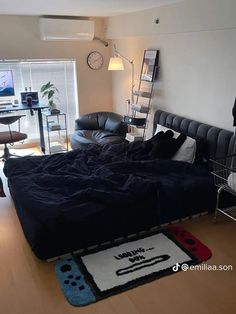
(102, 118)
(87, 122)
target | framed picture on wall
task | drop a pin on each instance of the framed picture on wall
(150, 65)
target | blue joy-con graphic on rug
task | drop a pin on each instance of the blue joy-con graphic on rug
(73, 284)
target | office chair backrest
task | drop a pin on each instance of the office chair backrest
(10, 137)
(7, 120)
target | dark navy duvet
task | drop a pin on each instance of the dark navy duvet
(72, 200)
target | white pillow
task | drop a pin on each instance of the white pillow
(232, 181)
(187, 150)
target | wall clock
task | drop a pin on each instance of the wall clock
(95, 60)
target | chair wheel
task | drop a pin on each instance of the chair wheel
(214, 220)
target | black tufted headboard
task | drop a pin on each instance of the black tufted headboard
(220, 140)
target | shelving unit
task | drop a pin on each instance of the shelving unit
(141, 108)
(55, 126)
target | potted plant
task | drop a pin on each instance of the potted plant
(49, 90)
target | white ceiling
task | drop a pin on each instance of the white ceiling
(78, 7)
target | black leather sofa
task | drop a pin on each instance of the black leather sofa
(98, 128)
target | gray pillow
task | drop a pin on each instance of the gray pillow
(112, 125)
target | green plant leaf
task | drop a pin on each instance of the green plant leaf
(42, 89)
(48, 90)
(51, 93)
(46, 86)
(45, 94)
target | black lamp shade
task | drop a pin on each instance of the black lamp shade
(234, 113)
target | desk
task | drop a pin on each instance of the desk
(36, 107)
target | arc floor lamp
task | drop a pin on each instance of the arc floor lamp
(116, 64)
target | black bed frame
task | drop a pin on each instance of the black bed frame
(220, 144)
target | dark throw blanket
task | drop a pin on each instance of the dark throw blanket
(100, 175)
(104, 186)
(2, 194)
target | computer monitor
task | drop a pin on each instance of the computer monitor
(34, 96)
(6, 83)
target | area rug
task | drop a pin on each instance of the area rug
(87, 278)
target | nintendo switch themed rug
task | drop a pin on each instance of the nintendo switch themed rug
(87, 278)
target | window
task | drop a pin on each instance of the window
(35, 73)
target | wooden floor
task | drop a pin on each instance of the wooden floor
(29, 286)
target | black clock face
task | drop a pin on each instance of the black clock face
(95, 60)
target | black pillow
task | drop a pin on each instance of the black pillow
(167, 147)
(202, 151)
(202, 154)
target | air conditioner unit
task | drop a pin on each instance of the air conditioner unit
(66, 29)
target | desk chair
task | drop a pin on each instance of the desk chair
(10, 137)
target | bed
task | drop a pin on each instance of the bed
(70, 201)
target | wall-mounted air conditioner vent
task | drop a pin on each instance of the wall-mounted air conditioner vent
(66, 29)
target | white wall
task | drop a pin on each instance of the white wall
(20, 39)
(197, 42)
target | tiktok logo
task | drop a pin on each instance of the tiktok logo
(176, 267)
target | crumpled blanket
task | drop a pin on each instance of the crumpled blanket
(2, 194)
(99, 179)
